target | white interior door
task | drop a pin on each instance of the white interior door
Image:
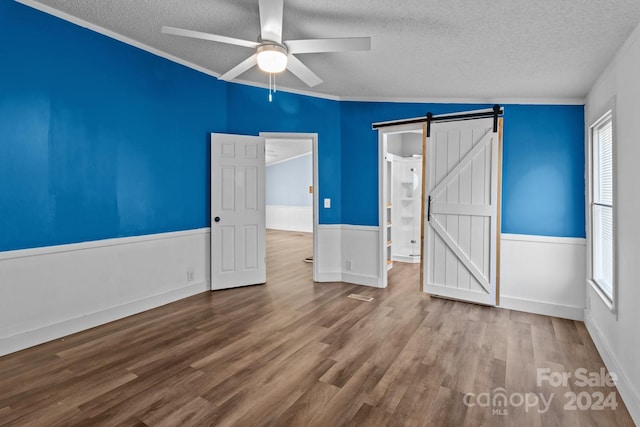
(462, 211)
(237, 211)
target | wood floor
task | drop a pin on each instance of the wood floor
(295, 353)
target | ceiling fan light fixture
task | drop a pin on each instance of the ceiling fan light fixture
(272, 58)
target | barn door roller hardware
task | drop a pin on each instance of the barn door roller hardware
(495, 112)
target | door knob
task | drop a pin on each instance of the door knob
(217, 219)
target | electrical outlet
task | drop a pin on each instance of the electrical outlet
(348, 265)
(190, 276)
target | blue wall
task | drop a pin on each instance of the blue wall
(543, 179)
(249, 112)
(360, 145)
(99, 139)
(287, 183)
(543, 164)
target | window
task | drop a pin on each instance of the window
(601, 207)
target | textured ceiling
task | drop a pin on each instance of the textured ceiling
(421, 49)
(279, 150)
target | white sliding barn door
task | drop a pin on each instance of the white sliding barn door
(461, 221)
(237, 211)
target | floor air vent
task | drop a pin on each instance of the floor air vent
(361, 297)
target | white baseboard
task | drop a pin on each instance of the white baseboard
(544, 308)
(329, 277)
(625, 387)
(406, 258)
(355, 279)
(52, 332)
(359, 279)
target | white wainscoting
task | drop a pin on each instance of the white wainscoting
(348, 253)
(543, 275)
(290, 218)
(360, 255)
(328, 260)
(50, 292)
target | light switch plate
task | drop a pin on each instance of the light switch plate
(327, 203)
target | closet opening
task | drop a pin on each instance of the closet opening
(404, 155)
(401, 196)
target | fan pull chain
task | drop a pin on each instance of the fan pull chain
(272, 86)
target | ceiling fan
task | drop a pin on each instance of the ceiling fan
(272, 54)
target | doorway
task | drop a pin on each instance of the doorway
(238, 208)
(402, 199)
(292, 186)
(404, 155)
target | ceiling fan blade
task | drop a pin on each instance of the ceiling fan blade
(302, 71)
(329, 45)
(240, 68)
(207, 36)
(271, 20)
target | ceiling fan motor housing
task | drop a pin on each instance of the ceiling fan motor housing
(272, 57)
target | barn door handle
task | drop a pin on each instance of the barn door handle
(216, 219)
(428, 208)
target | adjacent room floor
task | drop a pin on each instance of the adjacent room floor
(292, 352)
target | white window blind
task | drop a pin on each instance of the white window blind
(604, 177)
(602, 206)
